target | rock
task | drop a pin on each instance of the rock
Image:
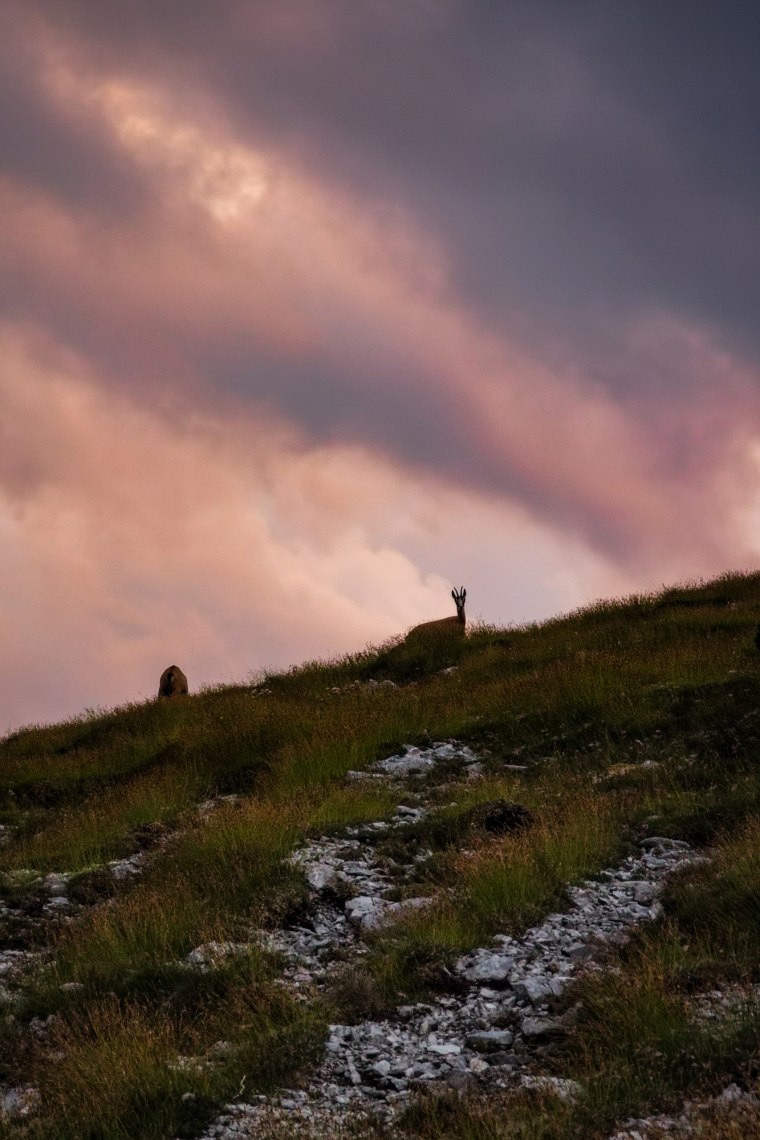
(19, 1102)
(445, 1049)
(417, 903)
(71, 988)
(578, 951)
(416, 760)
(537, 990)
(461, 1082)
(321, 876)
(413, 761)
(56, 883)
(366, 911)
(490, 1040)
(58, 902)
(540, 1028)
(125, 868)
(645, 893)
(562, 1087)
(504, 1060)
(212, 952)
(485, 966)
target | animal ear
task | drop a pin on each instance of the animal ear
(454, 596)
(464, 593)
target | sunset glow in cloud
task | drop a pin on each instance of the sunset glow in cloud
(288, 346)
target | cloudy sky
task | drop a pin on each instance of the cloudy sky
(311, 309)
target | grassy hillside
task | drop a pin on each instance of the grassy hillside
(624, 719)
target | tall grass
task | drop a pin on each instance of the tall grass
(134, 1055)
(222, 877)
(500, 887)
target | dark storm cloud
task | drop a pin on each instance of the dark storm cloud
(403, 420)
(582, 162)
(580, 166)
(44, 147)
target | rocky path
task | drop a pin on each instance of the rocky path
(510, 997)
(486, 1035)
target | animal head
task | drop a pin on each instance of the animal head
(459, 602)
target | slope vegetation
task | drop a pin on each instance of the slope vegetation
(147, 882)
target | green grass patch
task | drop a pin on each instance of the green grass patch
(163, 1074)
(500, 886)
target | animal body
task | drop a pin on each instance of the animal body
(173, 682)
(444, 626)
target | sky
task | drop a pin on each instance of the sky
(313, 309)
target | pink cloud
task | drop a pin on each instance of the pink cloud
(279, 259)
(132, 540)
(147, 515)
